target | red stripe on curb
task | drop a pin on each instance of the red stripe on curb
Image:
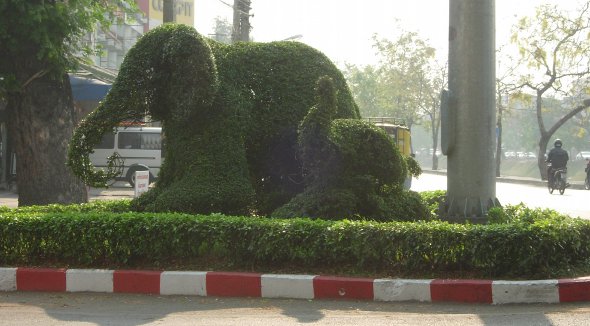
(41, 279)
(135, 281)
(233, 284)
(327, 287)
(474, 291)
(574, 290)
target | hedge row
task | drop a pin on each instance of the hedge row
(538, 247)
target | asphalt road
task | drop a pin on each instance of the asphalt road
(27, 308)
(573, 202)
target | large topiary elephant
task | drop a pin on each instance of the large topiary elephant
(229, 115)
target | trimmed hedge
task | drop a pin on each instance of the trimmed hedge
(546, 245)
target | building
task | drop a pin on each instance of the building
(116, 41)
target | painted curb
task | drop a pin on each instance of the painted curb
(233, 284)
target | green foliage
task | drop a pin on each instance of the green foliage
(413, 166)
(365, 149)
(539, 244)
(553, 52)
(229, 113)
(315, 148)
(404, 82)
(364, 83)
(354, 169)
(433, 200)
(45, 35)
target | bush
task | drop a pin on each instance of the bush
(544, 244)
(352, 169)
(434, 200)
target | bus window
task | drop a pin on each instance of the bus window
(151, 141)
(107, 142)
(140, 140)
(129, 140)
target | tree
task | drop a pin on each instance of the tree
(433, 85)
(40, 41)
(222, 31)
(504, 86)
(403, 66)
(363, 83)
(555, 48)
(405, 84)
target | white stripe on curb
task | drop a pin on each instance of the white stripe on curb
(89, 280)
(401, 290)
(287, 286)
(7, 279)
(541, 291)
(183, 283)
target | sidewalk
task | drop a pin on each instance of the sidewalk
(118, 191)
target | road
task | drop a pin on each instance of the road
(28, 308)
(573, 202)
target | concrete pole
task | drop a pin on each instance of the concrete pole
(471, 183)
(169, 14)
(241, 21)
(236, 31)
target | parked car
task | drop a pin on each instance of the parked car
(510, 154)
(583, 155)
(530, 155)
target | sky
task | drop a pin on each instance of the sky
(343, 30)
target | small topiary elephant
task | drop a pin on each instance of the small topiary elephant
(229, 113)
(352, 168)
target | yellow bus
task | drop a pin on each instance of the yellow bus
(401, 135)
(398, 131)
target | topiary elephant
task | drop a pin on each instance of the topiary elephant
(352, 168)
(229, 114)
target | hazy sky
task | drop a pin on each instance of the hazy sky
(343, 29)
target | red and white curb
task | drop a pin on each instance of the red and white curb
(231, 284)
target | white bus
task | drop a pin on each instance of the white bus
(139, 148)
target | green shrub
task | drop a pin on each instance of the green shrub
(413, 166)
(353, 169)
(433, 200)
(546, 245)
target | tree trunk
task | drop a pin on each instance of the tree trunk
(543, 141)
(547, 134)
(499, 143)
(435, 128)
(40, 124)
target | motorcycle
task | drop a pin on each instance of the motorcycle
(559, 180)
(587, 170)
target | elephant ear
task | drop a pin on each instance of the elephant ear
(170, 73)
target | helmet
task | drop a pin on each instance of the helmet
(557, 143)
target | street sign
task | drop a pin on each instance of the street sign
(142, 181)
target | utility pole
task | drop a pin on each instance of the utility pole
(241, 21)
(169, 11)
(469, 111)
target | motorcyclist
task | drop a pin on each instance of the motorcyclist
(558, 158)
